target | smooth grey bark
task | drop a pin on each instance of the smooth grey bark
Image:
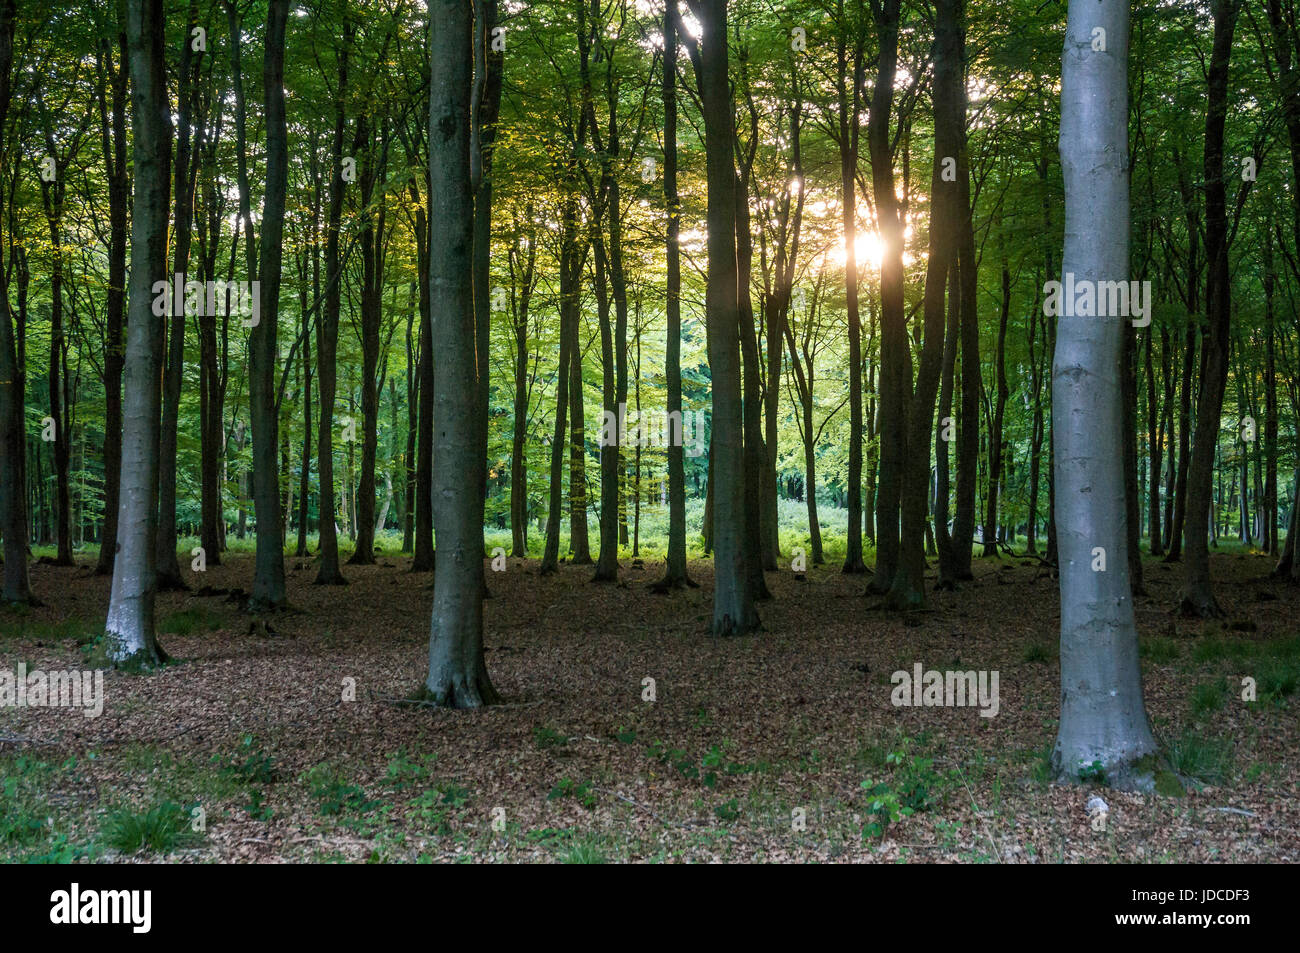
(457, 675)
(268, 574)
(1103, 718)
(129, 628)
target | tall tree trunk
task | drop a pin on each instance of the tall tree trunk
(304, 461)
(268, 577)
(114, 144)
(907, 590)
(13, 442)
(1270, 403)
(995, 428)
(457, 676)
(733, 600)
(849, 113)
(895, 349)
(675, 574)
(185, 170)
(1197, 597)
(371, 242)
(756, 560)
(129, 629)
(1103, 718)
(1132, 486)
(579, 542)
(1153, 450)
(518, 462)
(424, 554)
(570, 269)
(327, 338)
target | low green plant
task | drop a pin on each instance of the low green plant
(160, 829)
(580, 791)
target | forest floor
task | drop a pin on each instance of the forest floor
(248, 738)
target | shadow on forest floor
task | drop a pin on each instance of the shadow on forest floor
(779, 746)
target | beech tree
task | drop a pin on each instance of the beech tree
(13, 497)
(458, 676)
(1103, 718)
(129, 629)
(268, 578)
(733, 597)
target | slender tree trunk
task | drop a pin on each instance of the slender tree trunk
(371, 242)
(1197, 597)
(675, 574)
(999, 412)
(848, 145)
(186, 168)
(570, 269)
(943, 470)
(119, 194)
(1153, 450)
(518, 462)
(327, 337)
(268, 578)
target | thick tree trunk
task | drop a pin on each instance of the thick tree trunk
(129, 629)
(457, 676)
(895, 351)
(907, 589)
(1103, 719)
(733, 600)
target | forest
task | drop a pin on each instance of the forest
(604, 431)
